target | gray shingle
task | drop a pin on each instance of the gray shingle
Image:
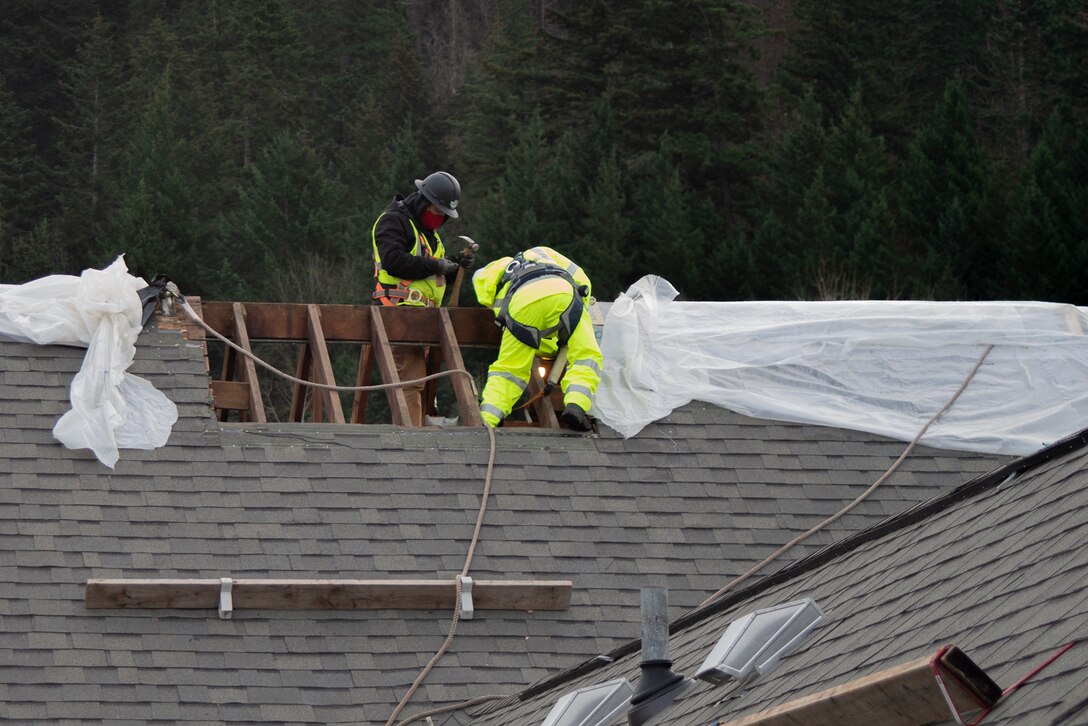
(691, 501)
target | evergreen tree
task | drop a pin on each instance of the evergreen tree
(860, 172)
(36, 40)
(901, 52)
(497, 98)
(161, 224)
(526, 208)
(676, 67)
(260, 51)
(949, 213)
(363, 70)
(670, 234)
(91, 141)
(1065, 42)
(290, 222)
(776, 257)
(602, 245)
(20, 183)
(1048, 230)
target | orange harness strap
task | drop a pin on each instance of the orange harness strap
(401, 293)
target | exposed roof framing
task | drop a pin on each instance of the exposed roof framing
(313, 327)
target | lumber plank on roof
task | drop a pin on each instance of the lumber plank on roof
(327, 594)
(906, 695)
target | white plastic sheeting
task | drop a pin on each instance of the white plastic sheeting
(99, 310)
(885, 367)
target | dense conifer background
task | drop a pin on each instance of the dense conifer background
(742, 150)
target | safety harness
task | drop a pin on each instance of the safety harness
(402, 293)
(521, 271)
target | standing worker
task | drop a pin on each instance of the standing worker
(540, 299)
(411, 267)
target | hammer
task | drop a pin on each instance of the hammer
(470, 247)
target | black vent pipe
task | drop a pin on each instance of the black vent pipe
(658, 686)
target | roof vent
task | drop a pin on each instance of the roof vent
(658, 686)
(591, 706)
(753, 644)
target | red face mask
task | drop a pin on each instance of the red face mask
(430, 220)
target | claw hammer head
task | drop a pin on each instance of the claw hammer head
(470, 245)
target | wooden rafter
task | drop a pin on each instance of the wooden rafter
(299, 390)
(362, 378)
(327, 401)
(542, 405)
(467, 406)
(247, 367)
(398, 404)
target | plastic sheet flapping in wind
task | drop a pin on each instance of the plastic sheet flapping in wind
(101, 311)
(883, 367)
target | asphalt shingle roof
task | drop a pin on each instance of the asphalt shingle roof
(691, 502)
(999, 569)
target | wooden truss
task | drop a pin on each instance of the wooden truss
(236, 392)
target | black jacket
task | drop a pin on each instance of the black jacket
(395, 239)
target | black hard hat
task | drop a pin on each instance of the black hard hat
(441, 190)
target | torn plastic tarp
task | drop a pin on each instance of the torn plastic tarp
(99, 310)
(885, 367)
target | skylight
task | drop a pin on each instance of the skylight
(754, 644)
(591, 706)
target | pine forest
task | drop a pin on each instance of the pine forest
(740, 149)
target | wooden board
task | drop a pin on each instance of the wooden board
(398, 403)
(328, 594)
(362, 378)
(351, 323)
(330, 408)
(467, 405)
(255, 412)
(906, 695)
(232, 395)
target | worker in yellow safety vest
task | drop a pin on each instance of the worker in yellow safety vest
(540, 298)
(411, 266)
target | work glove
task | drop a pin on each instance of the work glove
(575, 418)
(465, 258)
(445, 266)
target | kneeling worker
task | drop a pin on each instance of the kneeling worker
(540, 299)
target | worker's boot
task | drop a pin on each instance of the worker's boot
(575, 418)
